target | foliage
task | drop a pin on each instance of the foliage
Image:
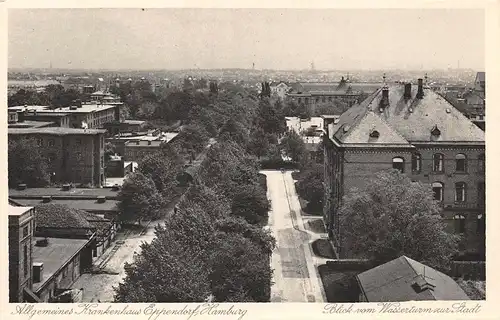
(191, 140)
(293, 145)
(310, 185)
(109, 150)
(139, 198)
(250, 202)
(235, 276)
(382, 221)
(216, 204)
(27, 164)
(163, 171)
(269, 119)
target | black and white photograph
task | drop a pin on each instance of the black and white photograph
(243, 155)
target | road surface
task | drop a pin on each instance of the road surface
(295, 275)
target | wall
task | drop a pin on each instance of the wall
(355, 166)
(62, 279)
(17, 280)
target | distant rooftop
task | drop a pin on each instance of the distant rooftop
(91, 205)
(59, 131)
(85, 108)
(55, 255)
(129, 121)
(31, 124)
(74, 192)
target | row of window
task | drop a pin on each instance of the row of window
(460, 220)
(460, 191)
(461, 163)
(52, 142)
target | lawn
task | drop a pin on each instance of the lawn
(315, 225)
(323, 248)
(340, 286)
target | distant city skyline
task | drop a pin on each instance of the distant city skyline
(274, 39)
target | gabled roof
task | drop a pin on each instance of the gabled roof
(412, 119)
(396, 281)
(372, 123)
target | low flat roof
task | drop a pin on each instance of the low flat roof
(82, 204)
(75, 192)
(17, 211)
(54, 256)
(85, 108)
(31, 124)
(55, 131)
(133, 121)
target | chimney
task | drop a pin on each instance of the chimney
(101, 199)
(420, 92)
(407, 94)
(384, 102)
(37, 272)
(21, 186)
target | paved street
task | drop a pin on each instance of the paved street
(295, 275)
(100, 286)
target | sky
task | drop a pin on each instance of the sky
(280, 39)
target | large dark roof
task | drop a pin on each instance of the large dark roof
(74, 192)
(60, 216)
(394, 281)
(405, 121)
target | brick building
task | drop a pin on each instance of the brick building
(74, 155)
(80, 115)
(314, 94)
(21, 225)
(42, 268)
(413, 129)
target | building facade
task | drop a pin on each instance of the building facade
(73, 155)
(414, 130)
(88, 116)
(21, 228)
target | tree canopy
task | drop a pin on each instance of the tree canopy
(27, 164)
(393, 216)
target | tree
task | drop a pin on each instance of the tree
(139, 198)
(191, 140)
(310, 185)
(27, 164)
(294, 146)
(146, 110)
(216, 204)
(269, 119)
(250, 202)
(393, 216)
(165, 271)
(163, 171)
(240, 270)
(234, 131)
(109, 150)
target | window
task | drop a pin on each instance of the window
(481, 193)
(398, 163)
(482, 163)
(460, 163)
(437, 160)
(26, 231)
(481, 225)
(51, 142)
(51, 158)
(78, 141)
(460, 192)
(25, 262)
(416, 162)
(299, 100)
(307, 100)
(459, 223)
(437, 189)
(323, 99)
